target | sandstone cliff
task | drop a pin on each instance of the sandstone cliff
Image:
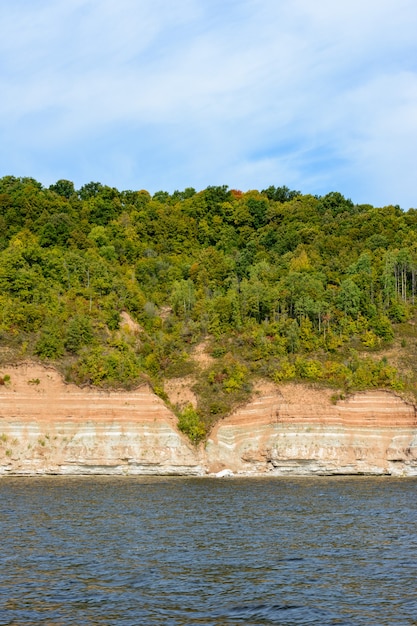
(49, 427)
(297, 430)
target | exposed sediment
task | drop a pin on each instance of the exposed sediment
(297, 430)
(49, 427)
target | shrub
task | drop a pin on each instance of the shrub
(109, 366)
(49, 346)
(309, 369)
(79, 333)
(286, 371)
(370, 339)
(190, 424)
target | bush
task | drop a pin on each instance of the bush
(190, 424)
(49, 346)
(309, 369)
(79, 333)
(370, 340)
(285, 372)
(107, 367)
(383, 328)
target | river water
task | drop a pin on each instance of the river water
(179, 551)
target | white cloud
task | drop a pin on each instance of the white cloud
(314, 94)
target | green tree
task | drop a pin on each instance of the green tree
(64, 188)
(79, 333)
(349, 297)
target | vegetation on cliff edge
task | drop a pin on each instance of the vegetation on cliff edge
(277, 284)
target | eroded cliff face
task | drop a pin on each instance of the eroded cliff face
(47, 426)
(297, 430)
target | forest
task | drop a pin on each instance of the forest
(276, 284)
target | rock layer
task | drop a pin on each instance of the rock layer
(297, 430)
(52, 428)
(48, 427)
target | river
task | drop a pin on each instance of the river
(214, 552)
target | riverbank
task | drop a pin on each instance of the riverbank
(49, 427)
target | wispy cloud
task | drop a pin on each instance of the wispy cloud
(317, 95)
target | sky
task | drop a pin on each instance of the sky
(317, 95)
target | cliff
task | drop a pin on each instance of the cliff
(49, 427)
(297, 430)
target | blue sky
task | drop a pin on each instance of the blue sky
(317, 95)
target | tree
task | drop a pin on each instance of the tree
(293, 336)
(64, 188)
(79, 333)
(349, 297)
(280, 194)
(183, 297)
(336, 203)
(90, 190)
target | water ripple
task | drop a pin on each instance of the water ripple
(198, 551)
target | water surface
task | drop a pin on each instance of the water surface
(180, 551)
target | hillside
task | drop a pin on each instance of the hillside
(201, 294)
